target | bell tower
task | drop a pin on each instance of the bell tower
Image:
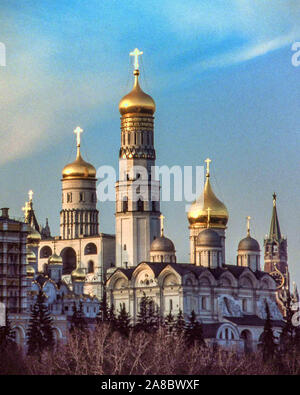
(137, 190)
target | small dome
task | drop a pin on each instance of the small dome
(55, 260)
(162, 243)
(30, 272)
(34, 236)
(198, 212)
(78, 274)
(31, 257)
(137, 101)
(78, 169)
(248, 243)
(209, 238)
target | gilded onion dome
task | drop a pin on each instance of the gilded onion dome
(207, 210)
(55, 259)
(79, 168)
(34, 237)
(78, 274)
(31, 257)
(30, 272)
(137, 101)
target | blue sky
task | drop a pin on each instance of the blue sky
(220, 73)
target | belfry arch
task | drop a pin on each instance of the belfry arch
(68, 255)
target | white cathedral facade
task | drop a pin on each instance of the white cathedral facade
(139, 259)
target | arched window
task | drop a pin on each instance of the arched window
(69, 260)
(125, 204)
(140, 205)
(203, 303)
(45, 252)
(90, 249)
(91, 268)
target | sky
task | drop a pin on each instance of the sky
(224, 85)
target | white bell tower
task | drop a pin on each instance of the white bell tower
(137, 191)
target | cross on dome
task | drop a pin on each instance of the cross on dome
(248, 225)
(162, 225)
(274, 199)
(78, 131)
(136, 53)
(207, 161)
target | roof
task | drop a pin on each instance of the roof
(253, 320)
(275, 228)
(184, 268)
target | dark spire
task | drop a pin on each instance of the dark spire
(275, 228)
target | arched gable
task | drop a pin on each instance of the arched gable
(190, 279)
(143, 275)
(227, 280)
(117, 277)
(169, 276)
(206, 279)
(248, 279)
(267, 282)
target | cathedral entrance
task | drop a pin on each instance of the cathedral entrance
(69, 260)
(246, 335)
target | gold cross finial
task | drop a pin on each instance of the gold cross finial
(208, 216)
(26, 210)
(161, 225)
(78, 131)
(136, 53)
(248, 225)
(207, 161)
(274, 199)
(30, 195)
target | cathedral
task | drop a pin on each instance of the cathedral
(82, 262)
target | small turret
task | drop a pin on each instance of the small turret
(249, 251)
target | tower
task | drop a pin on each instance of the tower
(137, 191)
(79, 215)
(207, 211)
(276, 251)
(249, 251)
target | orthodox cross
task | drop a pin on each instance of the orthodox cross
(207, 161)
(136, 53)
(26, 210)
(274, 199)
(248, 225)
(161, 225)
(78, 131)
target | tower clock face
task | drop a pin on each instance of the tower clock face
(278, 277)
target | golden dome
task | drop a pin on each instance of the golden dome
(30, 272)
(31, 257)
(34, 236)
(78, 169)
(208, 207)
(137, 101)
(78, 274)
(55, 259)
